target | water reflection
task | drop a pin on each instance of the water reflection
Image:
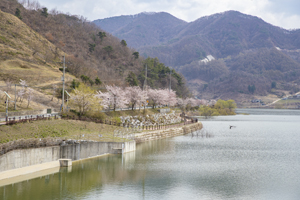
(259, 159)
(74, 182)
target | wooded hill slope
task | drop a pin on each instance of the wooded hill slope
(78, 39)
(245, 48)
(27, 55)
(33, 41)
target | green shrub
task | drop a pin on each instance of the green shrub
(97, 115)
(117, 120)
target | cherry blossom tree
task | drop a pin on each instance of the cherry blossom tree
(154, 96)
(163, 93)
(23, 83)
(104, 98)
(144, 97)
(171, 97)
(2, 92)
(212, 102)
(54, 87)
(115, 96)
(23, 89)
(30, 95)
(158, 97)
(203, 102)
(180, 102)
(8, 85)
(135, 96)
(191, 102)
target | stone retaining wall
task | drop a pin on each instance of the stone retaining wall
(171, 132)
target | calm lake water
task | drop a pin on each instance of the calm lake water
(259, 158)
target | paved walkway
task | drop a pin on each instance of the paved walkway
(30, 172)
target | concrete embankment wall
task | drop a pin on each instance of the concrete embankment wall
(91, 149)
(171, 132)
(28, 157)
(38, 158)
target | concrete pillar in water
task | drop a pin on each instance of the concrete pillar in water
(65, 162)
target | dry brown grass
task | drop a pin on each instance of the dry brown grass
(27, 55)
(42, 98)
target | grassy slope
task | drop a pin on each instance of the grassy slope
(24, 55)
(69, 129)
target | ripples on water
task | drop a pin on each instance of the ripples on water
(258, 159)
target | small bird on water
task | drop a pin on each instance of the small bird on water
(231, 126)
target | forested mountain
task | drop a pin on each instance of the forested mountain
(90, 52)
(144, 29)
(245, 52)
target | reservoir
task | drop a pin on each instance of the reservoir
(257, 158)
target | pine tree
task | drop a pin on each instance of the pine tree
(97, 81)
(123, 43)
(18, 13)
(132, 79)
(44, 12)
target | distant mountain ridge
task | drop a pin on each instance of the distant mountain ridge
(144, 29)
(234, 39)
(220, 35)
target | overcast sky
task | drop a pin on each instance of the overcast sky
(283, 13)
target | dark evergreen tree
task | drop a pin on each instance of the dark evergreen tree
(92, 47)
(97, 81)
(44, 12)
(108, 49)
(273, 85)
(136, 55)
(91, 82)
(123, 43)
(18, 13)
(132, 79)
(101, 35)
(75, 84)
(84, 78)
(251, 88)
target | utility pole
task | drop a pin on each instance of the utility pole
(6, 113)
(68, 95)
(145, 88)
(145, 82)
(170, 82)
(169, 88)
(63, 80)
(15, 97)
